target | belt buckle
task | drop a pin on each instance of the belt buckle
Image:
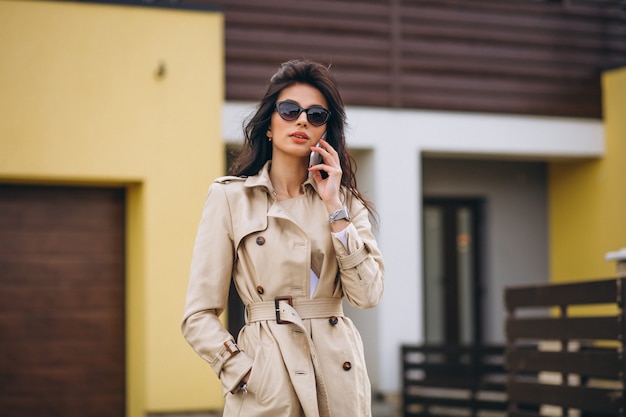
(277, 301)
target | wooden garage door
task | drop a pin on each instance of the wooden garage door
(61, 301)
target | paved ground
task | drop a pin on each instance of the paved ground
(380, 408)
(384, 409)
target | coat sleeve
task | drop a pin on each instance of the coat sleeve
(361, 265)
(207, 293)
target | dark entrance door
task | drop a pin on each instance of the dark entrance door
(62, 301)
(452, 287)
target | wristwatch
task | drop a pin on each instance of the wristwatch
(342, 213)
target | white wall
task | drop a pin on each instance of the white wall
(397, 140)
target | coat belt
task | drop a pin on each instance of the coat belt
(284, 310)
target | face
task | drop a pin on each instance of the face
(295, 138)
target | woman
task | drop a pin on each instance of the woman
(295, 239)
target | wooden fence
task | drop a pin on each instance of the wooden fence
(563, 362)
(564, 356)
(449, 380)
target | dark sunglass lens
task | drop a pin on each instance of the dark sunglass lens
(317, 116)
(288, 111)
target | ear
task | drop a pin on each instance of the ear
(269, 134)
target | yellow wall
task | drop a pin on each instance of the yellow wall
(80, 102)
(588, 199)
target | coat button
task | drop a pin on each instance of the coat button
(347, 366)
(333, 320)
(260, 289)
(260, 240)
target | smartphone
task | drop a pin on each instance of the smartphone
(316, 158)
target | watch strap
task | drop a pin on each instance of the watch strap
(340, 214)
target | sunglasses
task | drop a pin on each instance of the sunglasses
(290, 111)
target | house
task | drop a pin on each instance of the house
(489, 136)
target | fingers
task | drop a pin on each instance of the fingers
(329, 154)
(328, 148)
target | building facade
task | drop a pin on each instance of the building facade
(488, 134)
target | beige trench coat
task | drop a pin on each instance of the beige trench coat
(310, 362)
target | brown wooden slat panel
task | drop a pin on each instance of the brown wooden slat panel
(448, 100)
(62, 349)
(478, 84)
(370, 96)
(319, 7)
(22, 208)
(609, 8)
(603, 328)
(515, 90)
(344, 76)
(601, 364)
(71, 243)
(514, 57)
(296, 22)
(308, 41)
(443, 87)
(64, 405)
(502, 52)
(59, 382)
(519, 101)
(62, 354)
(240, 91)
(243, 53)
(441, 64)
(531, 7)
(426, 29)
(558, 51)
(347, 77)
(469, 15)
(62, 298)
(39, 327)
(590, 292)
(45, 270)
(363, 81)
(367, 96)
(593, 400)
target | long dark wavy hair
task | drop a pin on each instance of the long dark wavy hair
(257, 150)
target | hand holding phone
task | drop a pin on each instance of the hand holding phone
(316, 158)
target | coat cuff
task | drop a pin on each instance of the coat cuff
(354, 259)
(231, 364)
(354, 252)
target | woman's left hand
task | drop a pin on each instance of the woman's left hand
(329, 187)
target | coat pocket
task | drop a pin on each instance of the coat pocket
(269, 382)
(255, 381)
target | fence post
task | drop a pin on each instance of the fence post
(620, 258)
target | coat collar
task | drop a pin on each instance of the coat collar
(262, 180)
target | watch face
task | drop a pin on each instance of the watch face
(342, 213)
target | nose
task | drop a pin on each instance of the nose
(302, 119)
